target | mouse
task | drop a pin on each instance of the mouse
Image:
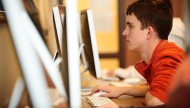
(132, 80)
(98, 94)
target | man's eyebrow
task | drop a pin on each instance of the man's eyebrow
(129, 23)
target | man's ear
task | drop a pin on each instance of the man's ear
(149, 32)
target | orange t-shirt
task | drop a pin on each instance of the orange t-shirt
(161, 69)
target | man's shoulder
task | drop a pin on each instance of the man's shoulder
(171, 49)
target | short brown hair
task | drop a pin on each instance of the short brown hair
(155, 13)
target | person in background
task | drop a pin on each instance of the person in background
(180, 95)
(180, 90)
(177, 33)
(148, 24)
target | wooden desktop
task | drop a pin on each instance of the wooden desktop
(124, 100)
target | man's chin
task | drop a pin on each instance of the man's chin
(131, 48)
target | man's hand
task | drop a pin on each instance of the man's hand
(110, 73)
(112, 92)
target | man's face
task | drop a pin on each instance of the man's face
(134, 35)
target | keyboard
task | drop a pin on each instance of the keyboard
(98, 101)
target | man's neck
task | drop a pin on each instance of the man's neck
(147, 53)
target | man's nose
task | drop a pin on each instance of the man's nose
(125, 32)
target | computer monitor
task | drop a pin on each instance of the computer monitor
(70, 59)
(32, 75)
(58, 20)
(32, 53)
(85, 36)
(88, 41)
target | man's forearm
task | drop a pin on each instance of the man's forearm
(137, 90)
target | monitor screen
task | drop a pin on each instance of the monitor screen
(88, 40)
(58, 20)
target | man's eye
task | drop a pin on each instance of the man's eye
(130, 26)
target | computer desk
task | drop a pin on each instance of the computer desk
(88, 81)
(124, 100)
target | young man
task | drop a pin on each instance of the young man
(148, 24)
